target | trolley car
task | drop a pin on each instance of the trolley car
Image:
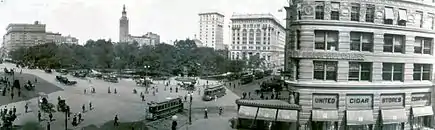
(164, 108)
(214, 91)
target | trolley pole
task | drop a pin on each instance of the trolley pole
(190, 110)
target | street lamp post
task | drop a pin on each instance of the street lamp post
(146, 74)
(190, 109)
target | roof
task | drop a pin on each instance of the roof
(256, 16)
(158, 100)
(217, 13)
(278, 104)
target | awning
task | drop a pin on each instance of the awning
(266, 114)
(389, 14)
(324, 115)
(247, 112)
(402, 15)
(391, 116)
(422, 111)
(287, 115)
(359, 117)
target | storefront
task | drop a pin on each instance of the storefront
(359, 113)
(422, 112)
(324, 115)
(393, 112)
(267, 115)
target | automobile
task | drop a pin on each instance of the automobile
(29, 86)
(48, 71)
(110, 78)
(65, 80)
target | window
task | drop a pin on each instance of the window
(298, 39)
(403, 17)
(326, 40)
(361, 41)
(419, 19)
(392, 71)
(320, 11)
(354, 16)
(423, 45)
(360, 71)
(325, 70)
(389, 15)
(393, 43)
(430, 21)
(335, 11)
(422, 71)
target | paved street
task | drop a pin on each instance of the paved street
(125, 104)
(251, 87)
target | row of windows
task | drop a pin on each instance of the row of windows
(362, 71)
(389, 16)
(363, 41)
(250, 48)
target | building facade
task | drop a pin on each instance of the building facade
(211, 30)
(361, 64)
(257, 34)
(149, 39)
(23, 35)
(59, 39)
(123, 27)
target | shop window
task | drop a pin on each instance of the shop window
(326, 40)
(394, 43)
(423, 45)
(325, 70)
(422, 71)
(324, 125)
(421, 122)
(361, 41)
(395, 126)
(392, 71)
(359, 127)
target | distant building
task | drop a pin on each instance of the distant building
(59, 39)
(23, 35)
(123, 27)
(124, 35)
(258, 34)
(211, 32)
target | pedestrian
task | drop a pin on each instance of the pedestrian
(36, 80)
(83, 108)
(12, 95)
(39, 115)
(48, 125)
(249, 94)
(50, 115)
(170, 89)
(14, 110)
(84, 91)
(272, 96)
(115, 121)
(19, 93)
(143, 98)
(80, 117)
(108, 90)
(205, 113)
(74, 122)
(185, 98)
(115, 91)
(220, 111)
(90, 105)
(26, 107)
(93, 90)
(68, 111)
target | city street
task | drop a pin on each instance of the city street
(125, 104)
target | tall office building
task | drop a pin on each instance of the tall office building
(23, 35)
(365, 64)
(123, 27)
(211, 30)
(258, 34)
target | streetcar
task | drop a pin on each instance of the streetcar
(247, 79)
(164, 108)
(214, 91)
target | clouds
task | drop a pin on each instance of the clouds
(93, 19)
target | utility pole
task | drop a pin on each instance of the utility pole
(190, 109)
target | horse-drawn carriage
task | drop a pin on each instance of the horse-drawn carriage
(11, 71)
(29, 86)
(65, 80)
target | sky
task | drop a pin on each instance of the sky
(99, 19)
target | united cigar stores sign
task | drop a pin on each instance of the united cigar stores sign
(324, 101)
(420, 99)
(390, 100)
(359, 101)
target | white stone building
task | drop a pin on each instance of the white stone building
(23, 35)
(257, 34)
(211, 30)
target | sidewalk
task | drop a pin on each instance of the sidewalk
(214, 123)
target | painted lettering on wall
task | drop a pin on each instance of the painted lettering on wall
(421, 99)
(364, 101)
(389, 100)
(359, 100)
(323, 101)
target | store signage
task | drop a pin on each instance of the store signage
(389, 100)
(359, 101)
(420, 99)
(325, 101)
